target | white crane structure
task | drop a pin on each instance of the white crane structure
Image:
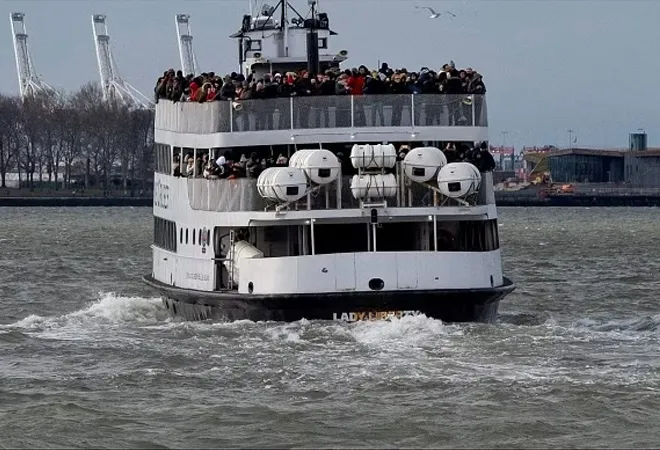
(186, 52)
(112, 85)
(28, 81)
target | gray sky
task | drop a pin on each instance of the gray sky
(549, 66)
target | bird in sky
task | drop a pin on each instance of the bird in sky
(434, 15)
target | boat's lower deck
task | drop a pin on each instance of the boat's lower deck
(450, 305)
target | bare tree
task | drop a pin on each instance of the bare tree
(77, 134)
(71, 124)
(10, 135)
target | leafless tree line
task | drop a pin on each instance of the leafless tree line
(77, 136)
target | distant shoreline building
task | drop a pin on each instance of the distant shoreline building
(637, 166)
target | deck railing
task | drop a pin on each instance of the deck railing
(242, 195)
(323, 112)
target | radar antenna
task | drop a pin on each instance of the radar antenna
(186, 52)
(112, 85)
(28, 81)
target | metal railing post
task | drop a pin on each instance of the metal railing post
(230, 254)
(339, 188)
(352, 112)
(291, 111)
(311, 227)
(473, 106)
(231, 117)
(412, 110)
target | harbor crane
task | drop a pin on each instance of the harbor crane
(29, 82)
(112, 85)
(186, 52)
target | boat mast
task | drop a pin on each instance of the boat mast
(312, 42)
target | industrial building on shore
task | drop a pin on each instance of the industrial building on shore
(637, 166)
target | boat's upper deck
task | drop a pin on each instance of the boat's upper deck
(314, 119)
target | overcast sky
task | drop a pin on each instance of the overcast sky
(549, 66)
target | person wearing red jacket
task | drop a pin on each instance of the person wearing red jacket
(355, 83)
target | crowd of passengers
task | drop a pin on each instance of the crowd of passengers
(226, 166)
(357, 81)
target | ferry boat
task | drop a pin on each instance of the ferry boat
(348, 229)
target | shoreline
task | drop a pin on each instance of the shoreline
(62, 201)
(505, 200)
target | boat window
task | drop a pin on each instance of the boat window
(399, 237)
(340, 238)
(177, 164)
(467, 236)
(202, 161)
(193, 236)
(164, 159)
(186, 236)
(180, 235)
(200, 236)
(165, 234)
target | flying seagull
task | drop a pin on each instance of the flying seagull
(434, 14)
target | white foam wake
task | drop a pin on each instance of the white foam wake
(109, 309)
(406, 331)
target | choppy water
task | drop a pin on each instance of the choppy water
(89, 357)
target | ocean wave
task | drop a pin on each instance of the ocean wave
(524, 319)
(12, 337)
(109, 309)
(645, 324)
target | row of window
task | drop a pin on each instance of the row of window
(254, 45)
(463, 236)
(197, 237)
(164, 155)
(165, 234)
(459, 236)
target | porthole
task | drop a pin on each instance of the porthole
(376, 284)
(250, 287)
